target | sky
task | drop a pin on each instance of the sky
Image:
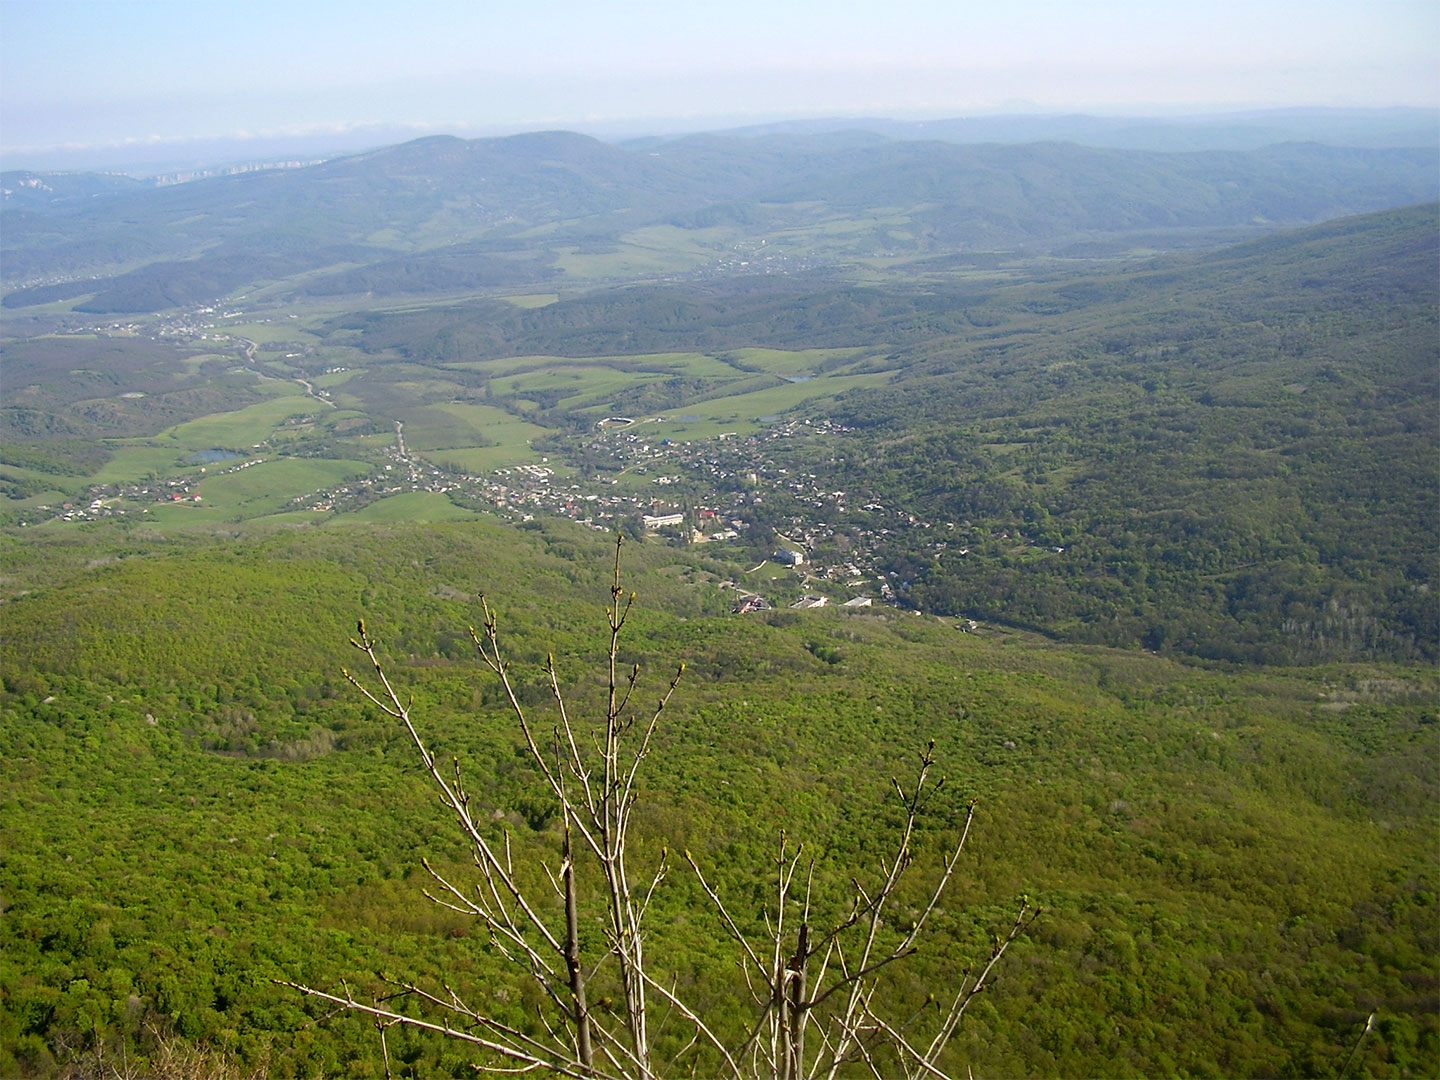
(81, 76)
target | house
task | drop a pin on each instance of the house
(790, 558)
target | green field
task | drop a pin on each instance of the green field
(743, 412)
(643, 253)
(437, 427)
(21, 474)
(290, 518)
(598, 268)
(601, 385)
(193, 364)
(412, 507)
(799, 361)
(132, 462)
(337, 378)
(480, 460)
(492, 425)
(698, 364)
(532, 300)
(47, 498)
(573, 385)
(459, 425)
(180, 517)
(266, 487)
(246, 427)
(262, 333)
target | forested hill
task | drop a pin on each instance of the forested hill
(1236, 453)
(1236, 868)
(444, 214)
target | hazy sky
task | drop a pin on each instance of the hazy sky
(104, 72)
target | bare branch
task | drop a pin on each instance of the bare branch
(814, 990)
(725, 918)
(531, 1060)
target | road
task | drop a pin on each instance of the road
(249, 347)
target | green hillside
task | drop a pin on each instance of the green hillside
(1236, 868)
(1236, 454)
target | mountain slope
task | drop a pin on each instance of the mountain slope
(1235, 453)
(539, 195)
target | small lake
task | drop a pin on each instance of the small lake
(209, 457)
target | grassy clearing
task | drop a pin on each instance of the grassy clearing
(265, 488)
(21, 473)
(374, 442)
(133, 463)
(243, 427)
(458, 426)
(742, 412)
(481, 460)
(690, 428)
(634, 260)
(178, 516)
(433, 427)
(290, 518)
(532, 300)
(578, 386)
(768, 573)
(264, 332)
(47, 498)
(732, 362)
(383, 396)
(495, 424)
(701, 366)
(882, 227)
(678, 363)
(192, 364)
(675, 242)
(336, 378)
(412, 506)
(801, 362)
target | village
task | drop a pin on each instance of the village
(724, 491)
(728, 491)
(731, 490)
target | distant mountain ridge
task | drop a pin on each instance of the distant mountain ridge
(1247, 130)
(534, 199)
(1194, 130)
